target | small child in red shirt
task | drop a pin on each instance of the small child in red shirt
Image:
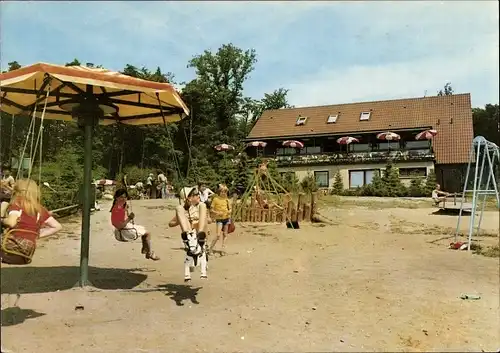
(125, 229)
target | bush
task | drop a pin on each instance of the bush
(338, 185)
(308, 184)
(416, 188)
(391, 181)
(430, 184)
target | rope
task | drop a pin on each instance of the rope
(171, 140)
(40, 139)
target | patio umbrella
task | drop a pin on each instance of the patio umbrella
(346, 140)
(89, 96)
(388, 136)
(293, 144)
(258, 145)
(426, 135)
(223, 147)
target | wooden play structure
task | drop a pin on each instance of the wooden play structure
(265, 200)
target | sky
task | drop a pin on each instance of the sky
(323, 52)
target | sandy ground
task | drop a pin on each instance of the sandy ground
(375, 280)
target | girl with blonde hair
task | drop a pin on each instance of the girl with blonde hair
(221, 212)
(27, 220)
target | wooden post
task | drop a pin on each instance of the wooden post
(289, 211)
(300, 207)
(234, 206)
(252, 210)
(314, 204)
(258, 214)
(273, 215)
(265, 215)
(243, 213)
(307, 212)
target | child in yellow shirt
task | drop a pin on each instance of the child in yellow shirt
(220, 209)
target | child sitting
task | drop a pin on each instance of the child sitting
(125, 229)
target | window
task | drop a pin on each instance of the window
(358, 178)
(311, 150)
(332, 119)
(301, 120)
(365, 116)
(322, 179)
(359, 147)
(287, 175)
(418, 145)
(285, 151)
(391, 145)
(409, 173)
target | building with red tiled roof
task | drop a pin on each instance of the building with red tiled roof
(319, 127)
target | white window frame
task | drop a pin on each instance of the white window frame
(413, 176)
(332, 119)
(301, 120)
(365, 116)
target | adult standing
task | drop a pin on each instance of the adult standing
(149, 185)
(162, 181)
(7, 185)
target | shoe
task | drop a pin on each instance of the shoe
(152, 256)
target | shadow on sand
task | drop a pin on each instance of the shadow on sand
(450, 212)
(15, 315)
(180, 292)
(28, 279)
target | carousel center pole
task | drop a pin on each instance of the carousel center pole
(87, 114)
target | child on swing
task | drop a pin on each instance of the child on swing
(125, 229)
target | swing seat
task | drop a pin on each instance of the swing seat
(17, 246)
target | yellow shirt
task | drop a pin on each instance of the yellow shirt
(220, 207)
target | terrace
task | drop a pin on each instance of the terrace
(325, 150)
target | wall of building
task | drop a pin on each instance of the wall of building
(452, 176)
(302, 171)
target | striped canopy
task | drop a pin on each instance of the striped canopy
(122, 98)
(257, 144)
(293, 144)
(388, 136)
(426, 135)
(224, 147)
(346, 140)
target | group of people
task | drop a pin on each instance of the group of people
(200, 208)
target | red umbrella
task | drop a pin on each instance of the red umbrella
(346, 140)
(293, 144)
(426, 135)
(388, 136)
(224, 147)
(257, 144)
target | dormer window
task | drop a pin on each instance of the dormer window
(365, 116)
(332, 119)
(301, 120)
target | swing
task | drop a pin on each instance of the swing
(12, 245)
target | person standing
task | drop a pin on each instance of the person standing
(8, 183)
(162, 181)
(149, 186)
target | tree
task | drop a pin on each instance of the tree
(486, 122)
(430, 184)
(391, 181)
(446, 91)
(338, 184)
(416, 188)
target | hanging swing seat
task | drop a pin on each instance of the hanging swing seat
(18, 246)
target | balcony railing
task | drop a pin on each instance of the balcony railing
(356, 157)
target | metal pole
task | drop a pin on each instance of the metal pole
(471, 157)
(474, 197)
(88, 115)
(492, 173)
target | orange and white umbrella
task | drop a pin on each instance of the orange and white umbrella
(426, 135)
(123, 99)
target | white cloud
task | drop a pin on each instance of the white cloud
(458, 43)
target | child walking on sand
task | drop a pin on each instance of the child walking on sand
(125, 229)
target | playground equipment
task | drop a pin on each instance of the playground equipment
(265, 200)
(484, 155)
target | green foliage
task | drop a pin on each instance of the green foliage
(485, 122)
(338, 185)
(446, 91)
(291, 183)
(391, 182)
(416, 188)
(430, 184)
(308, 183)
